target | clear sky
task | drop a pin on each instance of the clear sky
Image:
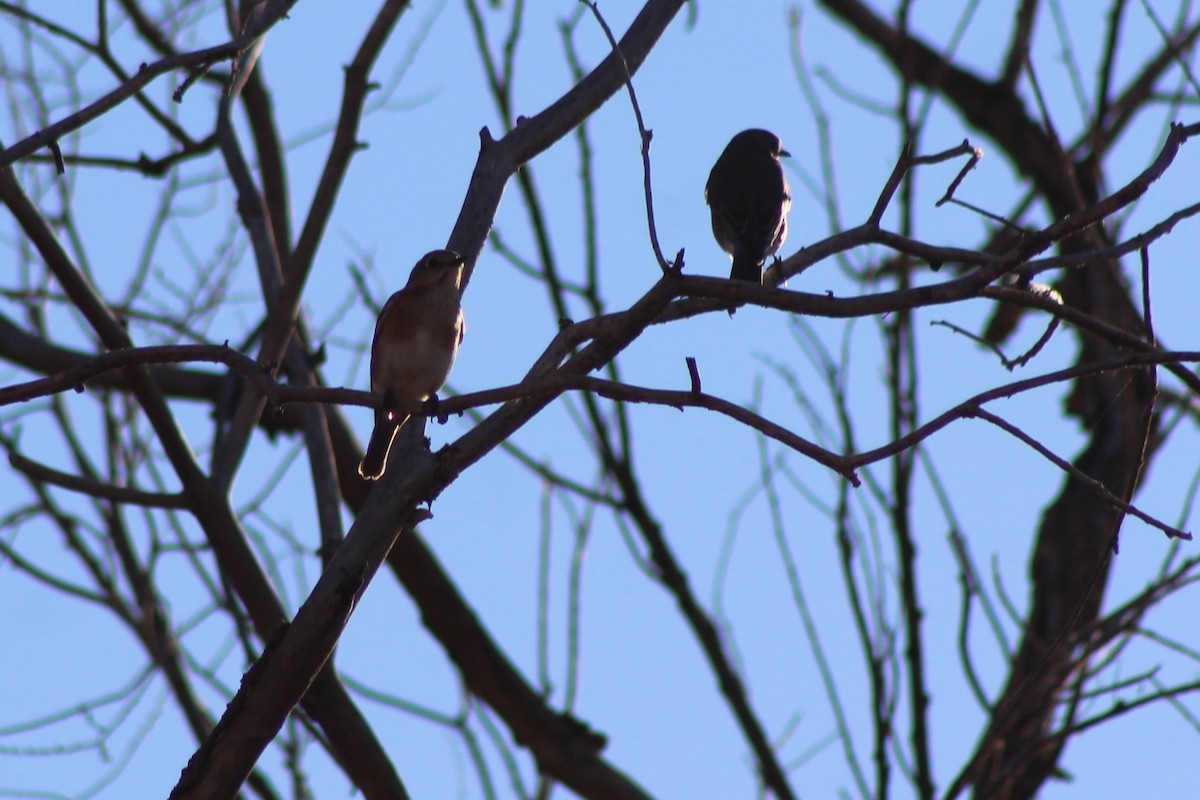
(643, 681)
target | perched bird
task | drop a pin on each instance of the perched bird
(749, 199)
(416, 340)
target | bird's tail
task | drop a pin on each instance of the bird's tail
(746, 269)
(387, 425)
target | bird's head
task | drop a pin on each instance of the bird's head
(438, 268)
(757, 140)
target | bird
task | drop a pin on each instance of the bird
(749, 198)
(416, 341)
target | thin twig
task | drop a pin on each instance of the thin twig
(645, 136)
(1093, 484)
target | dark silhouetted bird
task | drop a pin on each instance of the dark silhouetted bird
(749, 199)
(416, 340)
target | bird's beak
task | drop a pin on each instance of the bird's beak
(785, 153)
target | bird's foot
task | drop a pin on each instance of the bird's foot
(433, 409)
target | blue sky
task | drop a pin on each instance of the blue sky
(643, 681)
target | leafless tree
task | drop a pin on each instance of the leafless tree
(194, 162)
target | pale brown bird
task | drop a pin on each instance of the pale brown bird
(416, 341)
(749, 198)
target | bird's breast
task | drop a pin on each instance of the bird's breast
(416, 364)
